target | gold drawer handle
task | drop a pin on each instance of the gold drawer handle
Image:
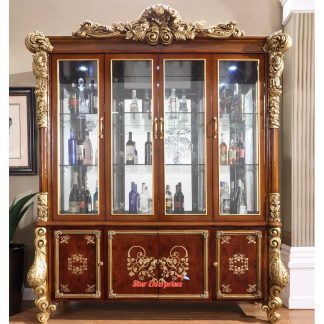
(215, 127)
(101, 128)
(161, 128)
(155, 128)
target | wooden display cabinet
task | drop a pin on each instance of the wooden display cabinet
(159, 163)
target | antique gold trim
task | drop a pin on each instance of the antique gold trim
(274, 206)
(158, 24)
(276, 45)
(40, 45)
(219, 235)
(42, 206)
(37, 276)
(278, 276)
(57, 235)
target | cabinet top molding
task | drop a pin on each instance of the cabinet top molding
(158, 24)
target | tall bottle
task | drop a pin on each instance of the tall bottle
(88, 196)
(222, 151)
(95, 200)
(241, 150)
(74, 198)
(173, 104)
(241, 198)
(232, 152)
(73, 99)
(133, 199)
(236, 105)
(130, 150)
(134, 105)
(80, 149)
(72, 148)
(83, 201)
(183, 107)
(144, 206)
(225, 203)
(83, 106)
(92, 97)
(178, 200)
(147, 104)
(87, 148)
(168, 200)
(148, 149)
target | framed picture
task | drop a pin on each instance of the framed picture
(22, 132)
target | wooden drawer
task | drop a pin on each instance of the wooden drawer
(77, 268)
(238, 255)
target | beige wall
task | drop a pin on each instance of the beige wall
(256, 17)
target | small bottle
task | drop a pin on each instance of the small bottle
(83, 201)
(225, 200)
(134, 105)
(92, 95)
(173, 104)
(130, 150)
(73, 99)
(183, 107)
(80, 149)
(178, 200)
(83, 107)
(168, 200)
(74, 198)
(72, 148)
(222, 151)
(133, 199)
(148, 149)
(241, 150)
(232, 152)
(88, 196)
(95, 200)
(241, 199)
(147, 104)
(87, 147)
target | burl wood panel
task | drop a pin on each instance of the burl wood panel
(77, 267)
(132, 264)
(238, 269)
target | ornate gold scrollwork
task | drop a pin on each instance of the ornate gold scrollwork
(37, 276)
(40, 45)
(42, 206)
(278, 276)
(276, 45)
(274, 205)
(158, 24)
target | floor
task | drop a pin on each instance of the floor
(159, 313)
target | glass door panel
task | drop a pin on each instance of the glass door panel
(132, 137)
(78, 137)
(238, 137)
(184, 137)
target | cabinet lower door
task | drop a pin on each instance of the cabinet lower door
(77, 264)
(183, 264)
(238, 255)
(132, 264)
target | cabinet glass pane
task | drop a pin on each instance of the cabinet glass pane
(238, 137)
(78, 136)
(184, 137)
(131, 136)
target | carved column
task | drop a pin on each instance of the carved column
(277, 44)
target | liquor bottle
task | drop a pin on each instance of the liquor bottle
(222, 151)
(133, 199)
(232, 152)
(148, 149)
(95, 200)
(147, 104)
(241, 150)
(73, 99)
(134, 105)
(173, 104)
(83, 201)
(88, 196)
(87, 148)
(181, 198)
(183, 108)
(236, 105)
(130, 150)
(83, 107)
(168, 200)
(225, 200)
(241, 198)
(222, 102)
(144, 205)
(74, 198)
(72, 148)
(80, 149)
(178, 200)
(135, 156)
(91, 96)
(232, 198)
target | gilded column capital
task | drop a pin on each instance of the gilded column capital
(40, 45)
(274, 206)
(276, 45)
(42, 206)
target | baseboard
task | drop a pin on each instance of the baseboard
(28, 294)
(300, 263)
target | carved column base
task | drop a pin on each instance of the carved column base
(273, 304)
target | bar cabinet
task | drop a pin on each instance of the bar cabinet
(159, 163)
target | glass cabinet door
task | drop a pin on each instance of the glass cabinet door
(78, 137)
(184, 136)
(238, 137)
(132, 148)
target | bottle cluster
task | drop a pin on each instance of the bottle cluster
(131, 152)
(146, 104)
(80, 199)
(177, 107)
(233, 201)
(235, 154)
(139, 203)
(174, 204)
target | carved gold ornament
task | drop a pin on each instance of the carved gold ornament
(90, 239)
(239, 264)
(251, 239)
(37, 276)
(64, 288)
(251, 288)
(276, 45)
(42, 207)
(225, 239)
(64, 239)
(278, 276)
(274, 204)
(77, 264)
(40, 45)
(90, 289)
(158, 24)
(226, 288)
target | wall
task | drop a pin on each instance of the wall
(58, 17)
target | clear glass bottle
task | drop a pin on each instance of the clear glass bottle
(80, 149)
(168, 200)
(72, 148)
(183, 107)
(134, 105)
(147, 104)
(222, 151)
(88, 152)
(148, 149)
(173, 104)
(88, 196)
(241, 198)
(73, 99)
(83, 106)
(232, 152)
(130, 150)
(225, 204)
(74, 198)
(144, 201)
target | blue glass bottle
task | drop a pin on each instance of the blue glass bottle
(72, 148)
(133, 197)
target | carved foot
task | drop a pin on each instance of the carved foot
(273, 304)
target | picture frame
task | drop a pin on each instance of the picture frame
(22, 131)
